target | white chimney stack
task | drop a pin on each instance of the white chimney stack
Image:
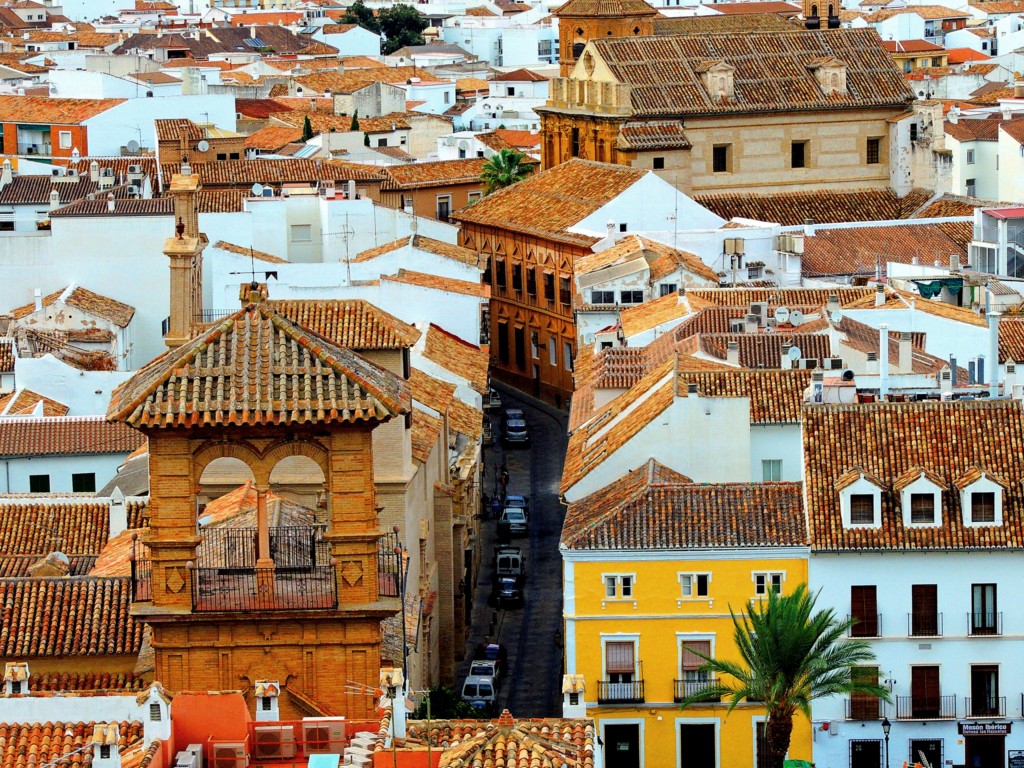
(871, 366)
(946, 379)
(954, 262)
(906, 348)
(157, 722)
(785, 363)
(110, 202)
(883, 361)
(105, 753)
(118, 513)
(6, 173)
(833, 302)
(574, 690)
(993, 353)
(94, 172)
(732, 353)
(879, 295)
(37, 297)
(267, 693)
(54, 199)
(351, 193)
(610, 228)
(16, 677)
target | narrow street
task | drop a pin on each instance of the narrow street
(532, 634)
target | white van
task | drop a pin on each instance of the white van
(479, 690)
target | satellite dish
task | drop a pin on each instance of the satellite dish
(132, 146)
(257, 190)
(795, 353)
(782, 315)
(203, 145)
(796, 317)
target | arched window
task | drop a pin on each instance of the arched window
(577, 49)
(831, 10)
(814, 10)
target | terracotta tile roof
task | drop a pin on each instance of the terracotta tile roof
(471, 84)
(242, 251)
(661, 259)
(969, 129)
(352, 80)
(88, 301)
(259, 108)
(775, 395)
(998, 6)
(606, 8)
(257, 367)
(249, 172)
(887, 439)
(660, 311)
(423, 243)
(774, 72)
(864, 339)
(655, 508)
(33, 109)
(433, 174)
(1014, 129)
(507, 742)
(119, 164)
(384, 123)
(337, 29)
(65, 436)
(954, 205)
(114, 558)
(722, 23)
(82, 617)
(905, 300)
(466, 420)
(349, 323)
(924, 11)
(14, 61)
(431, 392)
(548, 203)
(645, 136)
(521, 75)
(29, 744)
(911, 46)
(172, 129)
(853, 251)
(362, 62)
(822, 207)
(425, 431)
(6, 355)
(781, 297)
(396, 153)
(26, 190)
(23, 402)
(764, 350)
(1011, 339)
(963, 55)
(438, 283)
(480, 10)
(86, 681)
(518, 139)
(460, 357)
(37, 526)
(273, 137)
(221, 40)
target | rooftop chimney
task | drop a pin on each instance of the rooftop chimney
(879, 295)
(871, 367)
(1018, 90)
(610, 227)
(883, 361)
(906, 348)
(573, 689)
(105, 753)
(750, 323)
(350, 192)
(818, 387)
(54, 199)
(732, 353)
(808, 227)
(118, 513)
(946, 379)
(94, 172)
(953, 116)
(954, 375)
(16, 677)
(993, 353)
(833, 302)
(266, 694)
(110, 202)
(785, 363)
(6, 173)
(954, 262)
(1010, 380)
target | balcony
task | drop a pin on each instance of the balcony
(863, 707)
(389, 566)
(984, 624)
(924, 625)
(684, 689)
(264, 589)
(866, 626)
(34, 148)
(988, 706)
(926, 708)
(620, 693)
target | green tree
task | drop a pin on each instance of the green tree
(790, 655)
(402, 25)
(307, 129)
(505, 168)
(445, 704)
(355, 121)
(358, 13)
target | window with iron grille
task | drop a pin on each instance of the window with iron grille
(862, 509)
(874, 151)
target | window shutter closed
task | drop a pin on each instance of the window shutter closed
(925, 602)
(924, 689)
(619, 658)
(690, 659)
(864, 608)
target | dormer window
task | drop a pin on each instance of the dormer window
(860, 499)
(981, 497)
(719, 79)
(830, 73)
(920, 497)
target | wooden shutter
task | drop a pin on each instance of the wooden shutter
(924, 691)
(925, 609)
(864, 706)
(619, 658)
(864, 609)
(691, 661)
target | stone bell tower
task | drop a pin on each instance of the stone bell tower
(580, 21)
(813, 10)
(185, 251)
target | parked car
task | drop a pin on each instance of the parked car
(479, 691)
(514, 500)
(485, 668)
(508, 591)
(508, 561)
(516, 433)
(493, 652)
(512, 523)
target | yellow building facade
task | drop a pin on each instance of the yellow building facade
(652, 566)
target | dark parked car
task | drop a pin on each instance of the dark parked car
(495, 652)
(508, 591)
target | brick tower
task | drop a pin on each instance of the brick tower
(298, 605)
(580, 21)
(185, 251)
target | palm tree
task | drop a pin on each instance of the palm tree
(504, 169)
(790, 655)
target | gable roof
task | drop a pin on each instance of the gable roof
(661, 259)
(423, 243)
(83, 616)
(38, 109)
(820, 206)
(349, 323)
(233, 173)
(888, 439)
(226, 40)
(924, 11)
(654, 508)
(616, 9)
(88, 301)
(721, 23)
(433, 174)
(23, 402)
(460, 357)
(65, 436)
(548, 203)
(258, 367)
(772, 72)
(521, 75)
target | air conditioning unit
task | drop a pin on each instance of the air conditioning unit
(834, 364)
(71, 172)
(760, 308)
(107, 172)
(737, 325)
(33, 150)
(274, 741)
(186, 759)
(133, 190)
(55, 172)
(134, 169)
(229, 755)
(322, 735)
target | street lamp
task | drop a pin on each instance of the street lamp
(886, 727)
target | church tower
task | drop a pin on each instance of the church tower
(185, 252)
(580, 21)
(813, 10)
(297, 600)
